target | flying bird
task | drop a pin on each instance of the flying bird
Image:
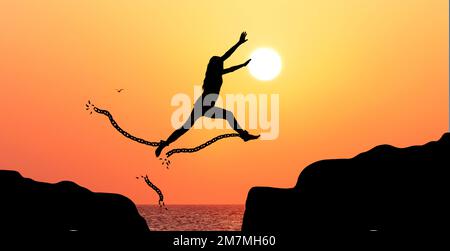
(119, 90)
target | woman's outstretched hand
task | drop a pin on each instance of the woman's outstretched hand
(246, 62)
(243, 39)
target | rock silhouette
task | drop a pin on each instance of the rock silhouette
(35, 207)
(385, 189)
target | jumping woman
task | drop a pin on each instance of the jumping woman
(205, 104)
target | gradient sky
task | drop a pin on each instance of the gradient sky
(355, 74)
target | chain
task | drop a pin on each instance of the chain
(123, 132)
(200, 147)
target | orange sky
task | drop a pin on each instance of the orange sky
(355, 74)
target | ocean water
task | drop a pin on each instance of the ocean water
(193, 217)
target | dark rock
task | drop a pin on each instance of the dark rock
(31, 206)
(384, 189)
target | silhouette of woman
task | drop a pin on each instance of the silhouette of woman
(205, 104)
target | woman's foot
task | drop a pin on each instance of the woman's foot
(247, 136)
(161, 146)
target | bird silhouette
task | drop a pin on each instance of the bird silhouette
(119, 90)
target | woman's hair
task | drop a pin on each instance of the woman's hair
(213, 71)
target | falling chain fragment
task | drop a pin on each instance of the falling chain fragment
(157, 190)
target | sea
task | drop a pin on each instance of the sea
(193, 217)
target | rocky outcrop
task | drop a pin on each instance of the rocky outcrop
(384, 189)
(31, 206)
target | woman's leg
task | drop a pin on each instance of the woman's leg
(195, 114)
(220, 113)
(183, 129)
(217, 112)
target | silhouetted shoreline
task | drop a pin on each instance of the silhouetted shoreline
(384, 189)
(28, 206)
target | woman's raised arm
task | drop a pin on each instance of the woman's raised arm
(242, 39)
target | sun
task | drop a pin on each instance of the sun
(265, 64)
